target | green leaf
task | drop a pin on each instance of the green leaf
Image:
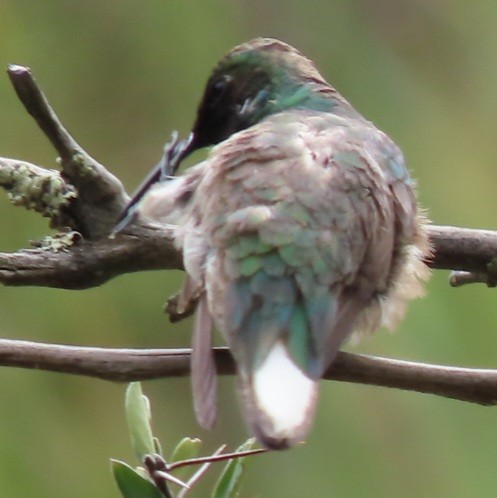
(157, 446)
(186, 449)
(229, 481)
(131, 484)
(138, 415)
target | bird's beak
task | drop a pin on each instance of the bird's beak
(174, 152)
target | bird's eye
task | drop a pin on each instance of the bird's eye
(220, 86)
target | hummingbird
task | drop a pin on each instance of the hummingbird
(300, 230)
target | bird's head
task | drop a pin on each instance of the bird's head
(254, 80)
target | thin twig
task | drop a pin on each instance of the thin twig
(126, 365)
(460, 278)
(215, 458)
(168, 477)
(38, 107)
(200, 472)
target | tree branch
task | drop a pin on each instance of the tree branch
(101, 196)
(92, 263)
(126, 365)
(463, 249)
(89, 263)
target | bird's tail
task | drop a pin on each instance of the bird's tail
(278, 400)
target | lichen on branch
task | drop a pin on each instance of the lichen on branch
(39, 189)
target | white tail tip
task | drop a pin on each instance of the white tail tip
(279, 400)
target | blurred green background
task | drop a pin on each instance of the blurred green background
(122, 74)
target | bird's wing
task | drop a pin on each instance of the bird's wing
(203, 375)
